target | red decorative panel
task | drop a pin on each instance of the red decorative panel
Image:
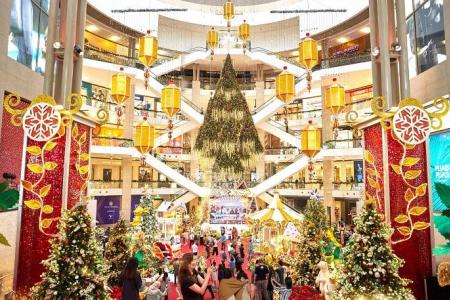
(42, 207)
(373, 164)
(409, 210)
(79, 147)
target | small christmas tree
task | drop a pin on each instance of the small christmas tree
(309, 251)
(145, 233)
(117, 252)
(75, 268)
(369, 266)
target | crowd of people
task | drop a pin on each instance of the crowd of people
(225, 276)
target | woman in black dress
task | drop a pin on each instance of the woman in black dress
(130, 281)
(191, 287)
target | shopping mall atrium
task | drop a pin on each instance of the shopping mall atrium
(288, 149)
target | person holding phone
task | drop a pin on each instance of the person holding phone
(191, 288)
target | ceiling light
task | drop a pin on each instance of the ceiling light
(114, 38)
(365, 29)
(319, 48)
(342, 40)
(91, 28)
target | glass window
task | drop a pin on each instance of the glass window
(28, 29)
(408, 7)
(426, 38)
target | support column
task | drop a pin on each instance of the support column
(129, 115)
(261, 165)
(127, 178)
(69, 43)
(384, 57)
(194, 159)
(196, 87)
(403, 59)
(373, 44)
(327, 178)
(327, 124)
(50, 51)
(79, 41)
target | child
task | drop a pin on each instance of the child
(214, 275)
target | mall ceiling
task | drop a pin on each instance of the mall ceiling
(236, 2)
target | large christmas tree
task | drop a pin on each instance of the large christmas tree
(369, 266)
(309, 250)
(228, 139)
(75, 268)
(145, 232)
(117, 252)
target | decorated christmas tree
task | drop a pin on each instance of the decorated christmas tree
(228, 139)
(117, 252)
(309, 250)
(145, 233)
(75, 268)
(369, 266)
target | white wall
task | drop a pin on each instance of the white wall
(278, 36)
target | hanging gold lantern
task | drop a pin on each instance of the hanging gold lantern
(148, 53)
(148, 49)
(171, 102)
(212, 40)
(308, 56)
(120, 87)
(244, 33)
(144, 137)
(285, 86)
(310, 140)
(335, 98)
(228, 10)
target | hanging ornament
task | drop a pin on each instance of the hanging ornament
(308, 56)
(244, 34)
(171, 102)
(212, 40)
(148, 53)
(310, 143)
(335, 101)
(120, 87)
(119, 113)
(144, 138)
(228, 13)
(285, 91)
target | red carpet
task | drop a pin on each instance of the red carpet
(185, 249)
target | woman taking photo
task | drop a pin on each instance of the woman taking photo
(191, 287)
(130, 281)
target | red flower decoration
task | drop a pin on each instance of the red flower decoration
(305, 292)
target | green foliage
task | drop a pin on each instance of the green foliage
(442, 221)
(228, 136)
(9, 198)
(75, 268)
(117, 252)
(369, 265)
(309, 251)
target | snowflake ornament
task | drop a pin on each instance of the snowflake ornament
(411, 125)
(41, 122)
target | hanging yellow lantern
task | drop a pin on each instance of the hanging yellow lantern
(212, 40)
(120, 87)
(171, 99)
(171, 102)
(285, 86)
(310, 140)
(308, 56)
(244, 31)
(228, 10)
(148, 53)
(148, 49)
(144, 136)
(335, 98)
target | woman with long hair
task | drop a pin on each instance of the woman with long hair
(191, 287)
(130, 281)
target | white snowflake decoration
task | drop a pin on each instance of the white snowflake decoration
(41, 122)
(411, 125)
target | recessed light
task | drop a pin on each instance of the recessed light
(91, 28)
(365, 29)
(342, 40)
(114, 38)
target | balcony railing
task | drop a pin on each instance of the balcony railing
(343, 144)
(153, 184)
(348, 186)
(102, 184)
(112, 141)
